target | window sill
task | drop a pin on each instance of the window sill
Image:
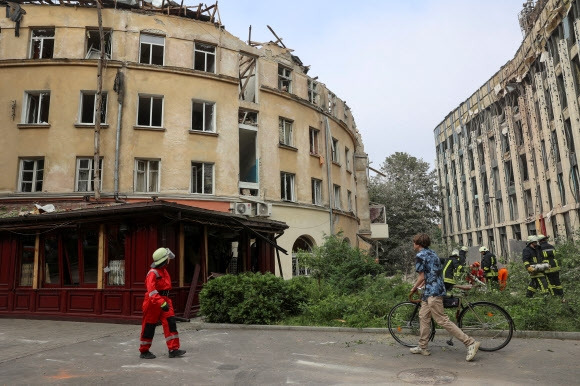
(33, 125)
(349, 171)
(337, 164)
(208, 133)
(90, 126)
(315, 155)
(287, 147)
(149, 128)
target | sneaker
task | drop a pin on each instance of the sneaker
(419, 350)
(472, 350)
(147, 355)
(176, 353)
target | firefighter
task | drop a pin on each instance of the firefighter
(462, 261)
(552, 273)
(157, 306)
(449, 267)
(533, 263)
(489, 266)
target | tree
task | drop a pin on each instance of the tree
(409, 193)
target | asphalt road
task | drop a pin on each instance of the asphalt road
(72, 353)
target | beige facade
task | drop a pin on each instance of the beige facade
(506, 156)
(205, 120)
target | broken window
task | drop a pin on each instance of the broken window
(549, 104)
(336, 202)
(314, 141)
(202, 177)
(247, 117)
(549, 190)
(316, 191)
(87, 108)
(334, 150)
(31, 175)
(331, 103)
(146, 176)
(349, 200)
(509, 173)
(37, 107)
(529, 203)
(569, 138)
(93, 48)
(202, 116)
(284, 78)
(150, 111)
(576, 73)
(247, 77)
(524, 167)
(555, 147)
(519, 133)
(544, 154)
(312, 91)
(513, 207)
(287, 186)
(204, 57)
(499, 209)
(575, 182)
(347, 158)
(152, 49)
(562, 189)
(285, 128)
(42, 43)
(86, 173)
(562, 91)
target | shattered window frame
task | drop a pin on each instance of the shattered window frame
(155, 106)
(347, 158)
(202, 177)
(199, 116)
(287, 186)
(42, 43)
(284, 78)
(147, 175)
(314, 143)
(37, 107)
(285, 129)
(90, 96)
(90, 51)
(201, 53)
(312, 91)
(336, 194)
(30, 175)
(316, 186)
(85, 174)
(334, 150)
(331, 103)
(152, 43)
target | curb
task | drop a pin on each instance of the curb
(198, 324)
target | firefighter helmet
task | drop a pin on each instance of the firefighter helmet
(531, 239)
(483, 249)
(161, 255)
(455, 252)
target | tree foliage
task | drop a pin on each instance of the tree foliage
(409, 193)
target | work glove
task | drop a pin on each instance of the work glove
(531, 269)
(165, 307)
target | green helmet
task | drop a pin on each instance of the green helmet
(464, 248)
(531, 239)
(483, 249)
(161, 255)
(541, 237)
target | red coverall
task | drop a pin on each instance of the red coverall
(158, 283)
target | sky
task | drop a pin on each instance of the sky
(401, 66)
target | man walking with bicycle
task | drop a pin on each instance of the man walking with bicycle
(428, 266)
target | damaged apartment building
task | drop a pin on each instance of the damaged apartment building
(506, 156)
(129, 125)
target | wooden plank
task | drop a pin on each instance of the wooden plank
(36, 262)
(191, 294)
(181, 255)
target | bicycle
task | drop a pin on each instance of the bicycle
(486, 322)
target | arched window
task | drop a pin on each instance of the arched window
(302, 243)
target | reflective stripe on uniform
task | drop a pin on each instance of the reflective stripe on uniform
(144, 343)
(176, 336)
(155, 272)
(152, 293)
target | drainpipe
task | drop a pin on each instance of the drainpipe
(119, 87)
(329, 175)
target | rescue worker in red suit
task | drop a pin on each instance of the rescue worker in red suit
(157, 306)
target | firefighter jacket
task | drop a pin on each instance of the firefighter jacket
(461, 266)
(449, 266)
(549, 256)
(532, 256)
(489, 265)
(158, 284)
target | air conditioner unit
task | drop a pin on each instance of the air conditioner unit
(263, 209)
(244, 208)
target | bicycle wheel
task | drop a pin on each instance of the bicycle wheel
(487, 323)
(403, 322)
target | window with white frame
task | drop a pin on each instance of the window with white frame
(287, 186)
(349, 200)
(37, 107)
(31, 175)
(204, 57)
(87, 112)
(150, 111)
(316, 191)
(285, 127)
(202, 177)
(151, 49)
(314, 141)
(334, 150)
(202, 116)
(42, 43)
(284, 78)
(336, 189)
(86, 174)
(347, 158)
(312, 91)
(146, 176)
(93, 49)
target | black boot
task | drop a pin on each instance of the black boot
(176, 353)
(147, 355)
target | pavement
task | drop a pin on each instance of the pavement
(34, 352)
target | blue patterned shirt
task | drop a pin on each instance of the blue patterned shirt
(428, 262)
